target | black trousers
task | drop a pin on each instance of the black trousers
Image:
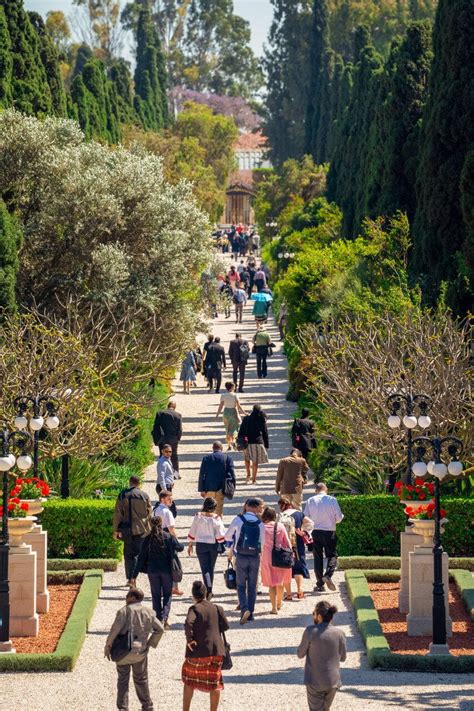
(262, 352)
(207, 556)
(132, 546)
(161, 587)
(215, 377)
(239, 370)
(324, 546)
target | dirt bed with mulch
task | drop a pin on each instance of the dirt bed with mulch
(394, 626)
(52, 623)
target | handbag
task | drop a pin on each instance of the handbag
(241, 443)
(122, 644)
(176, 569)
(227, 662)
(281, 557)
(228, 487)
(230, 577)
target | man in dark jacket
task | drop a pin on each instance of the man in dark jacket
(168, 429)
(215, 468)
(215, 363)
(131, 522)
(239, 352)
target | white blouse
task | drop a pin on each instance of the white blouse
(229, 400)
(206, 529)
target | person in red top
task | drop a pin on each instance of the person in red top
(234, 277)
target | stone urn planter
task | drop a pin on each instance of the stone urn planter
(19, 527)
(35, 506)
(416, 503)
(425, 527)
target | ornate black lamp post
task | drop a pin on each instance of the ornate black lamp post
(42, 410)
(438, 447)
(18, 441)
(404, 407)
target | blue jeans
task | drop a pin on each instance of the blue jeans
(247, 573)
(161, 585)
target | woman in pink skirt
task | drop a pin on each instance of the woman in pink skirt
(274, 578)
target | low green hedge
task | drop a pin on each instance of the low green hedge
(369, 562)
(106, 564)
(372, 523)
(80, 528)
(378, 650)
(465, 584)
(72, 638)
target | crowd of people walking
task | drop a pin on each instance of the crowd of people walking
(266, 543)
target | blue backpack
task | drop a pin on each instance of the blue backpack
(249, 539)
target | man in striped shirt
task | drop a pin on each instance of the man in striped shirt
(324, 511)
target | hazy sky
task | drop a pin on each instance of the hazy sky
(257, 12)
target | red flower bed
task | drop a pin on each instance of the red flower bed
(394, 626)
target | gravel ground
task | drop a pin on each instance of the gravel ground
(263, 652)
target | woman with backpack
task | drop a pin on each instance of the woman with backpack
(302, 433)
(254, 433)
(232, 410)
(298, 527)
(156, 559)
(206, 533)
(272, 577)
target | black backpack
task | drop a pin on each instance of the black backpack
(249, 539)
(244, 352)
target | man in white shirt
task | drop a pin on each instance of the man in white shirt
(324, 511)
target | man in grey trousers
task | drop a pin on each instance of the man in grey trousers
(146, 632)
(324, 647)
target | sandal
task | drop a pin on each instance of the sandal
(288, 597)
(300, 595)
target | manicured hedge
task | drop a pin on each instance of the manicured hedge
(357, 562)
(72, 638)
(372, 523)
(378, 650)
(80, 528)
(61, 564)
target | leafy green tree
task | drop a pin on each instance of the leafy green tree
(50, 58)
(95, 98)
(30, 90)
(58, 29)
(150, 74)
(441, 236)
(121, 78)
(286, 65)
(10, 241)
(100, 27)
(318, 63)
(6, 62)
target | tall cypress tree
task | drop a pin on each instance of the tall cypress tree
(29, 86)
(447, 139)
(50, 59)
(10, 239)
(318, 55)
(122, 80)
(150, 87)
(6, 62)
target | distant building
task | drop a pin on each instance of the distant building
(250, 154)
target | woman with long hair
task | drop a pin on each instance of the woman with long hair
(324, 648)
(274, 578)
(155, 559)
(232, 410)
(202, 668)
(254, 432)
(206, 533)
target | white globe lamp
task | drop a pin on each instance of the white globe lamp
(36, 423)
(394, 422)
(24, 462)
(21, 422)
(440, 470)
(5, 463)
(455, 467)
(424, 421)
(52, 422)
(410, 422)
(419, 469)
(430, 466)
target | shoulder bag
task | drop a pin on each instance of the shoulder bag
(122, 644)
(228, 487)
(227, 662)
(176, 569)
(281, 557)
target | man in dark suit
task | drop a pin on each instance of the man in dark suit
(239, 352)
(168, 429)
(214, 469)
(215, 363)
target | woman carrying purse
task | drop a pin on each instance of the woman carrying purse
(272, 577)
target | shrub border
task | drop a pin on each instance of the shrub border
(369, 562)
(378, 650)
(107, 564)
(70, 643)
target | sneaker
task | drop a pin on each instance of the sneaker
(209, 596)
(319, 588)
(329, 583)
(245, 617)
(167, 626)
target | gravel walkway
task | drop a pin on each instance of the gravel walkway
(266, 672)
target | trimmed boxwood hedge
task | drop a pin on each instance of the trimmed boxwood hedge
(372, 562)
(70, 643)
(372, 523)
(106, 564)
(80, 528)
(378, 650)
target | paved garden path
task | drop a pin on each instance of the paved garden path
(266, 673)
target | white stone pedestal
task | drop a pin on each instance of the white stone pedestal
(24, 620)
(38, 540)
(421, 573)
(408, 541)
